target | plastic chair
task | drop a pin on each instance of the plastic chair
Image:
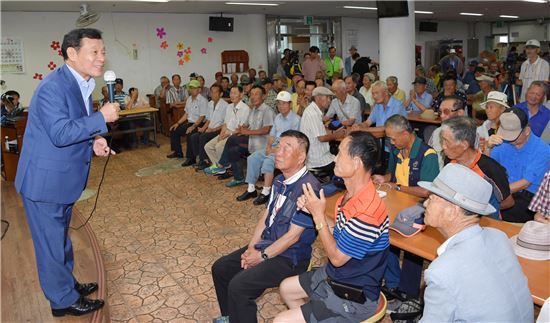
(380, 310)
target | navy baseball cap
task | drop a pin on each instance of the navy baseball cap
(409, 221)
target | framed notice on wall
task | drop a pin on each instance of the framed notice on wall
(12, 56)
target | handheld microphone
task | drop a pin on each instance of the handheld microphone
(109, 77)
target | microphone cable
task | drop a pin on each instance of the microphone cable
(98, 188)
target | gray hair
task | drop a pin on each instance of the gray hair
(540, 84)
(392, 79)
(399, 123)
(339, 84)
(463, 129)
(380, 84)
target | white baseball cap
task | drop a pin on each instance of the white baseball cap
(284, 96)
(532, 43)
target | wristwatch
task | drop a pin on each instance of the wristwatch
(398, 187)
(319, 226)
(264, 255)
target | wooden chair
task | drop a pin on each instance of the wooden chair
(236, 57)
(380, 310)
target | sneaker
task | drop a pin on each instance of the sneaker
(218, 171)
(174, 155)
(235, 182)
(208, 170)
(224, 176)
(188, 162)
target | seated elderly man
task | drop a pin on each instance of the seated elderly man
(355, 239)
(539, 115)
(451, 106)
(385, 107)
(196, 108)
(458, 139)
(215, 115)
(419, 99)
(476, 276)
(449, 89)
(236, 114)
(161, 90)
(319, 160)
(495, 104)
(394, 90)
(541, 201)
(351, 88)
(525, 157)
(344, 106)
(247, 138)
(411, 160)
(281, 244)
(177, 93)
(262, 161)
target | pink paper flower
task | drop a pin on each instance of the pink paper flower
(52, 66)
(180, 62)
(164, 45)
(203, 50)
(37, 76)
(210, 39)
(160, 32)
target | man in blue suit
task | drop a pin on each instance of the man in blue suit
(62, 131)
(476, 276)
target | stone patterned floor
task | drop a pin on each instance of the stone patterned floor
(159, 238)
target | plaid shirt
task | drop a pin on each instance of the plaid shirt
(541, 200)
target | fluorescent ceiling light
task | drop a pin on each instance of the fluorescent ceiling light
(253, 4)
(424, 12)
(151, 0)
(471, 14)
(506, 16)
(536, 1)
(361, 8)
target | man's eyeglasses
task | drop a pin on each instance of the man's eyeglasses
(448, 111)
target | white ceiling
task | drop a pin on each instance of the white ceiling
(443, 10)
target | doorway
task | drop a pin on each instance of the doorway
(298, 34)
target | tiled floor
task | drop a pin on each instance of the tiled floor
(159, 236)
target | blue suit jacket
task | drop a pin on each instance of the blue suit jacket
(477, 279)
(55, 159)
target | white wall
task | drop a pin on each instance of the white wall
(368, 41)
(139, 29)
(367, 37)
(454, 30)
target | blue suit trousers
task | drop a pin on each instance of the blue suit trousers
(49, 225)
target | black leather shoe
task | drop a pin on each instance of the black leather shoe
(225, 175)
(81, 307)
(187, 163)
(174, 155)
(261, 199)
(246, 196)
(85, 289)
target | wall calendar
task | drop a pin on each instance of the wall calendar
(12, 56)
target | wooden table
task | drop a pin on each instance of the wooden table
(129, 114)
(14, 131)
(415, 117)
(425, 244)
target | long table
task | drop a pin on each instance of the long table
(425, 244)
(129, 114)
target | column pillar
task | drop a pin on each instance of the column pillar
(397, 48)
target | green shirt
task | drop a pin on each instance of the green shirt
(400, 168)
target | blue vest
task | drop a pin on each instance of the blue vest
(415, 166)
(287, 214)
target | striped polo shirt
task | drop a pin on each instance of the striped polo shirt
(361, 232)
